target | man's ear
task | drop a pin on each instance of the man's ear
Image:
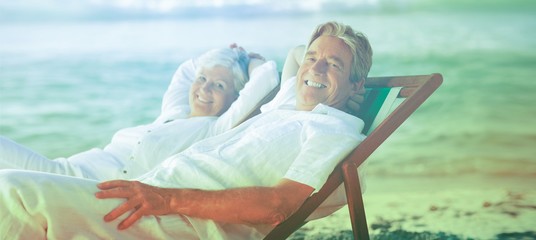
(357, 86)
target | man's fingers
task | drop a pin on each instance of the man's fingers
(118, 192)
(113, 184)
(353, 106)
(133, 218)
(357, 98)
(122, 209)
(354, 103)
(361, 91)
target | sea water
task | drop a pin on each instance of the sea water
(67, 86)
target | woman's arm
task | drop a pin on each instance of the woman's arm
(263, 80)
(176, 98)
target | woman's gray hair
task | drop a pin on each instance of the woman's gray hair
(358, 43)
(233, 59)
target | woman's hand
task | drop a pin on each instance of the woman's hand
(255, 59)
(141, 200)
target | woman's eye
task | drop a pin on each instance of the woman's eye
(201, 79)
(220, 86)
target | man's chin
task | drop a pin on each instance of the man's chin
(305, 107)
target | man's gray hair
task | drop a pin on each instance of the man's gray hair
(234, 59)
(358, 43)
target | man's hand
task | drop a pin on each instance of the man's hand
(355, 101)
(141, 199)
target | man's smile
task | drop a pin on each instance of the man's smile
(314, 84)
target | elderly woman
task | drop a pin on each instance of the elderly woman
(202, 100)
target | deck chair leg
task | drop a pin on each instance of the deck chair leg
(355, 201)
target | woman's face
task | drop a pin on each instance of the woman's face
(212, 92)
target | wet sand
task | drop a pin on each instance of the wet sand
(458, 207)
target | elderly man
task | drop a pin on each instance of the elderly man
(232, 186)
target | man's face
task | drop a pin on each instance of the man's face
(324, 76)
(213, 92)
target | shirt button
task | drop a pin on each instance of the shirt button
(125, 171)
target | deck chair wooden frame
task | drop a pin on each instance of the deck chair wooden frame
(410, 93)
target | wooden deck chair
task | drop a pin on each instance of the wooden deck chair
(389, 101)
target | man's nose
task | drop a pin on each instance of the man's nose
(319, 67)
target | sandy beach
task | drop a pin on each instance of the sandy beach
(460, 207)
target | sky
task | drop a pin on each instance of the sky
(91, 9)
(168, 5)
(58, 10)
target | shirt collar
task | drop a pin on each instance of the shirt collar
(331, 111)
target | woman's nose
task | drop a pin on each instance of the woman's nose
(207, 86)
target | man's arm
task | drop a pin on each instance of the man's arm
(292, 62)
(249, 205)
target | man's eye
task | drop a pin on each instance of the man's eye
(220, 86)
(335, 65)
(201, 79)
(311, 59)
